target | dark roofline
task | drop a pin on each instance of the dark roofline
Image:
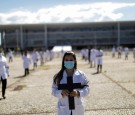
(68, 23)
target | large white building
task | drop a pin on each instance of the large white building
(75, 34)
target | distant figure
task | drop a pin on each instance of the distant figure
(119, 52)
(99, 56)
(93, 58)
(42, 56)
(113, 52)
(3, 73)
(47, 55)
(10, 55)
(82, 53)
(134, 54)
(89, 54)
(26, 63)
(35, 59)
(126, 53)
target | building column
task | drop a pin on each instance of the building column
(118, 41)
(3, 40)
(21, 37)
(45, 37)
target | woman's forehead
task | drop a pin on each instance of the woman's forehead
(69, 56)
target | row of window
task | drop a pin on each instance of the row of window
(74, 29)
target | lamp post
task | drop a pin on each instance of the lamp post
(16, 38)
(4, 40)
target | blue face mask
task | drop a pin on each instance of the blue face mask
(69, 64)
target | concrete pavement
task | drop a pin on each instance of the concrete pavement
(112, 92)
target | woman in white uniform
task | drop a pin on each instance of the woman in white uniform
(26, 63)
(3, 73)
(69, 69)
(126, 53)
(34, 58)
(99, 56)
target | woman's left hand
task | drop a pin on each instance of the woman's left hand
(75, 93)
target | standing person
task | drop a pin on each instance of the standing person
(126, 53)
(3, 73)
(99, 56)
(113, 51)
(93, 58)
(26, 63)
(119, 51)
(10, 55)
(42, 55)
(69, 70)
(89, 54)
(35, 58)
(47, 55)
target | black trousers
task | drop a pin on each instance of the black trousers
(26, 71)
(71, 112)
(4, 86)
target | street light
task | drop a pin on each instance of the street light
(4, 40)
(17, 38)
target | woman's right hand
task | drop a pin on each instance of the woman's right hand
(65, 93)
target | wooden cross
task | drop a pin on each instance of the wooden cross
(70, 86)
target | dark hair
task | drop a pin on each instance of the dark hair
(59, 75)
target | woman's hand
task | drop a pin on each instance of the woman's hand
(65, 93)
(75, 93)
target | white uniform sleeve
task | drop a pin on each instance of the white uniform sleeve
(7, 67)
(85, 90)
(55, 91)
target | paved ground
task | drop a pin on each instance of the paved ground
(112, 91)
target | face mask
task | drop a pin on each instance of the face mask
(69, 64)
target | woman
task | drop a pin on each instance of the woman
(69, 68)
(3, 73)
(26, 63)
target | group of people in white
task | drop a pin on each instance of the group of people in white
(34, 57)
(27, 57)
(119, 51)
(94, 56)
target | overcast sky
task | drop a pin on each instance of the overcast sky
(59, 11)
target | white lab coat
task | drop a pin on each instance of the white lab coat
(113, 50)
(126, 51)
(63, 107)
(3, 67)
(35, 57)
(93, 55)
(26, 61)
(10, 54)
(99, 57)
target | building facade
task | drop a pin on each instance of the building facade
(75, 34)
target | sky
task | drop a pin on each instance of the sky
(65, 11)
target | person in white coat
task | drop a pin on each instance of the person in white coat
(34, 58)
(26, 63)
(126, 53)
(99, 56)
(3, 73)
(113, 52)
(10, 55)
(42, 55)
(69, 69)
(93, 58)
